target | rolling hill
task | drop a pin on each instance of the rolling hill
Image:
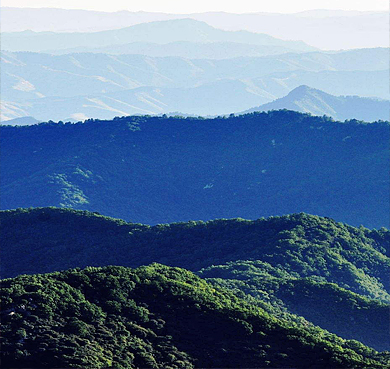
(155, 317)
(316, 102)
(159, 169)
(288, 265)
(207, 255)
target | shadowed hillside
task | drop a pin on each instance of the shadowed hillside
(158, 169)
(289, 265)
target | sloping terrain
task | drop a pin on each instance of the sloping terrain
(338, 310)
(24, 121)
(88, 85)
(303, 244)
(301, 269)
(185, 49)
(158, 169)
(316, 102)
(155, 317)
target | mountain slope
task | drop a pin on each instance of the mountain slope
(28, 75)
(305, 245)
(120, 167)
(296, 262)
(347, 314)
(316, 102)
(155, 317)
(157, 32)
(88, 85)
(185, 49)
(24, 121)
(220, 97)
(216, 98)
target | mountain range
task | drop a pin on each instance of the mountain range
(88, 85)
(343, 29)
(288, 266)
(156, 32)
(184, 49)
(209, 99)
(238, 165)
(163, 169)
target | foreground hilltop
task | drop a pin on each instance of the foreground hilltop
(159, 169)
(287, 265)
(155, 317)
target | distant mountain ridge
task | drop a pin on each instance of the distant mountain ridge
(157, 32)
(23, 121)
(87, 85)
(344, 29)
(185, 49)
(309, 100)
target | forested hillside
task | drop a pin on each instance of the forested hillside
(294, 266)
(158, 169)
(338, 310)
(194, 190)
(155, 317)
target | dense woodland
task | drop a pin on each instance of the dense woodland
(155, 317)
(303, 269)
(324, 304)
(234, 213)
(167, 169)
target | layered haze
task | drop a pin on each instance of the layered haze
(321, 28)
(96, 85)
(123, 63)
(193, 124)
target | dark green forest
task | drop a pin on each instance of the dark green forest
(303, 269)
(324, 304)
(254, 239)
(155, 317)
(166, 169)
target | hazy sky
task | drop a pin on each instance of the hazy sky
(186, 6)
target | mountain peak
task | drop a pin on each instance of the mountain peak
(303, 89)
(306, 99)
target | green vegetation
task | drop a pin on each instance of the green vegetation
(155, 317)
(303, 269)
(49, 239)
(167, 169)
(335, 309)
